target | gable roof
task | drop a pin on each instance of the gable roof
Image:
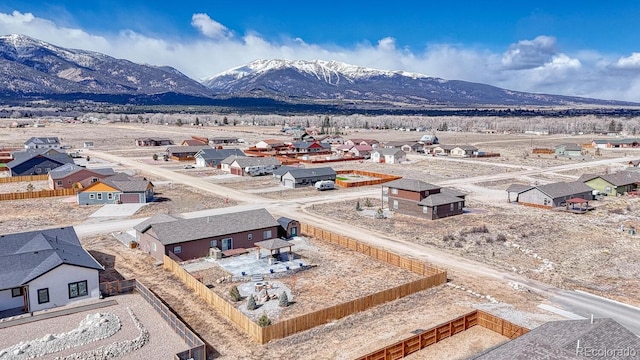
(465, 147)
(284, 169)
(284, 221)
(246, 161)
(183, 230)
(273, 244)
(439, 199)
(559, 340)
(123, 183)
(519, 188)
(560, 189)
(569, 147)
(186, 149)
(299, 173)
(272, 141)
(194, 142)
(68, 169)
(388, 151)
(155, 219)
(310, 144)
(621, 178)
(211, 154)
(29, 155)
(411, 185)
(397, 144)
(43, 141)
(28, 255)
(362, 147)
(587, 177)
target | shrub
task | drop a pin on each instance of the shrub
(458, 244)
(264, 321)
(283, 300)
(155, 157)
(368, 203)
(235, 293)
(251, 303)
(30, 187)
(448, 237)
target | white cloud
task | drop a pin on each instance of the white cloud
(209, 27)
(529, 65)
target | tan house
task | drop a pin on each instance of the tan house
(269, 144)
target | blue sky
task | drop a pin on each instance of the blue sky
(583, 48)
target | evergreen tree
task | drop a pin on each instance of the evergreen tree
(283, 300)
(235, 293)
(251, 303)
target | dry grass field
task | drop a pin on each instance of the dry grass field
(566, 250)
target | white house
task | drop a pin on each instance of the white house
(42, 143)
(45, 269)
(463, 150)
(388, 156)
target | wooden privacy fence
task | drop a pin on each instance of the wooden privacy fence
(12, 179)
(380, 178)
(37, 194)
(446, 330)
(197, 347)
(432, 277)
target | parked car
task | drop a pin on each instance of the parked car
(189, 166)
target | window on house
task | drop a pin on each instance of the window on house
(154, 247)
(92, 196)
(15, 292)
(43, 296)
(177, 249)
(451, 207)
(394, 191)
(227, 244)
(460, 205)
(213, 243)
(435, 209)
(395, 204)
(99, 196)
(266, 234)
(77, 289)
(47, 170)
(607, 189)
(249, 236)
(38, 170)
(59, 182)
(425, 210)
(110, 196)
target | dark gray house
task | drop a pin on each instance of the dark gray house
(570, 339)
(418, 198)
(193, 238)
(37, 162)
(298, 177)
(555, 195)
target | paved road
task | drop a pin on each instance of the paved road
(578, 303)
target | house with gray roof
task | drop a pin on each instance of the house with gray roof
(70, 176)
(388, 155)
(213, 157)
(568, 340)
(117, 189)
(418, 198)
(615, 184)
(514, 190)
(37, 161)
(616, 143)
(44, 269)
(243, 166)
(194, 238)
(555, 194)
(42, 143)
(300, 177)
(568, 149)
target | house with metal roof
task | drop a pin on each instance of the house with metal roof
(37, 161)
(44, 269)
(613, 184)
(299, 177)
(117, 189)
(70, 176)
(42, 143)
(194, 238)
(568, 340)
(421, 199)
(555, 194)
(213, 157)
(388, 155)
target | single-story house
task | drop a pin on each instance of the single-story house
(153, 142)
(288, 227)
(570, 339)
(279, 172)
(418, 198)
(302, 136)
(69, 176)
(193, 142)
(117, 189)
(463, 150)
(269, 144)
(356, 150)
(371, 142)
(42, 143)
(223, 140)
(615, 143)
(388, 155)
(87, 144)
(333, 140)
(194, 238)
(514, 191)
(568, 150)
(298, 177)
(406, 146)
(37, 162)
(442, 149)
(310, 147)
(428, 139)
(555, 194)
(612, 184)
(185, 153)
(44, 269)
(213, 157)
(239, 164)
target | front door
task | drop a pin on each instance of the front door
(227, 244)
(293, 231)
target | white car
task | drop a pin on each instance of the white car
(189, 166)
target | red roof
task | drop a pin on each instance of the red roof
(577, 201)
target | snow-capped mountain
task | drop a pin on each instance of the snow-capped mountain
(30, 66)
(335, 81)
